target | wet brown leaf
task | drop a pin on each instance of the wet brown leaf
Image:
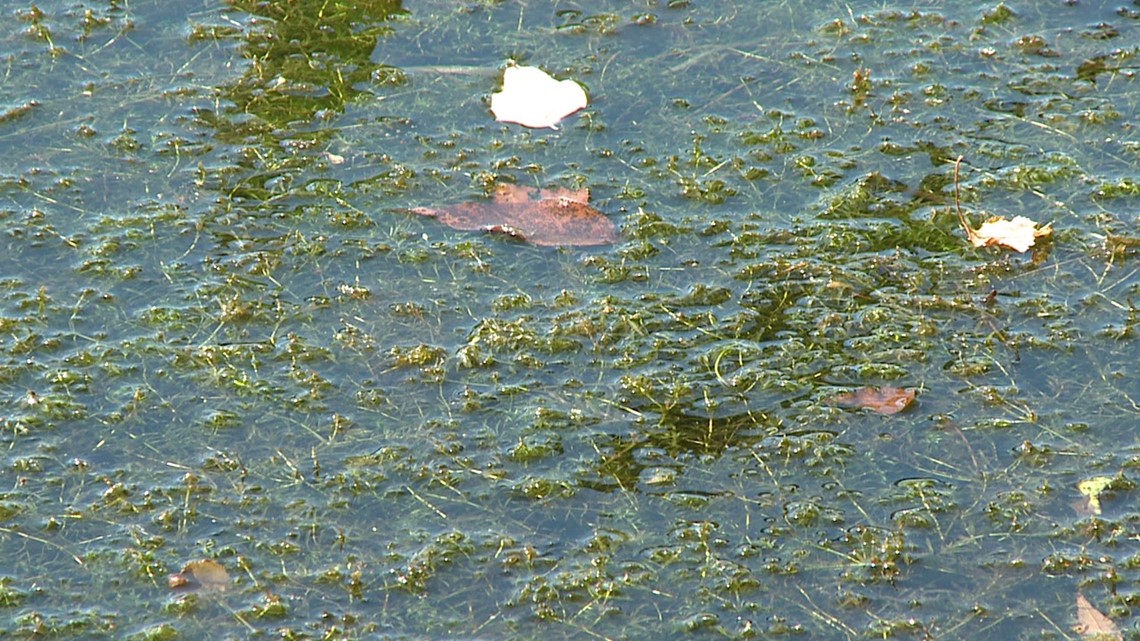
(547, 217)
(1092, 624)
(883, 400)
(205, 575)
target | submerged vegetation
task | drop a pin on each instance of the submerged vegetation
(233, 359)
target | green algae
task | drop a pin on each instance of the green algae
(224, 339)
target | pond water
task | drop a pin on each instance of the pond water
(228, 346)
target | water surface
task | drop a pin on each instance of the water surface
(224, 339)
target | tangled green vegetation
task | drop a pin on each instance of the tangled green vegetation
(224, 339)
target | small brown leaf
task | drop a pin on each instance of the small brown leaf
(205, 575)
(883, 400)
(1092, 624)
(547, 217)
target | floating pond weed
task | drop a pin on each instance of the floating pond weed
(225, 339)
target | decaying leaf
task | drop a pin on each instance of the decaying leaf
(531, 98)
(1092, 624)
(205, 575)
(548, 217)
(1092, 489)
(1018, 234)
(883, 400)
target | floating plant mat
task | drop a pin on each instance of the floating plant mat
(245, 404)
(547, 217)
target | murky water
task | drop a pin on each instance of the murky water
(225, 338)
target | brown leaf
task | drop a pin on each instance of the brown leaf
(205, 575)
(883, 400)
(1092, 624)
(547, 217)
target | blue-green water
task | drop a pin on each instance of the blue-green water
(224, 338)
